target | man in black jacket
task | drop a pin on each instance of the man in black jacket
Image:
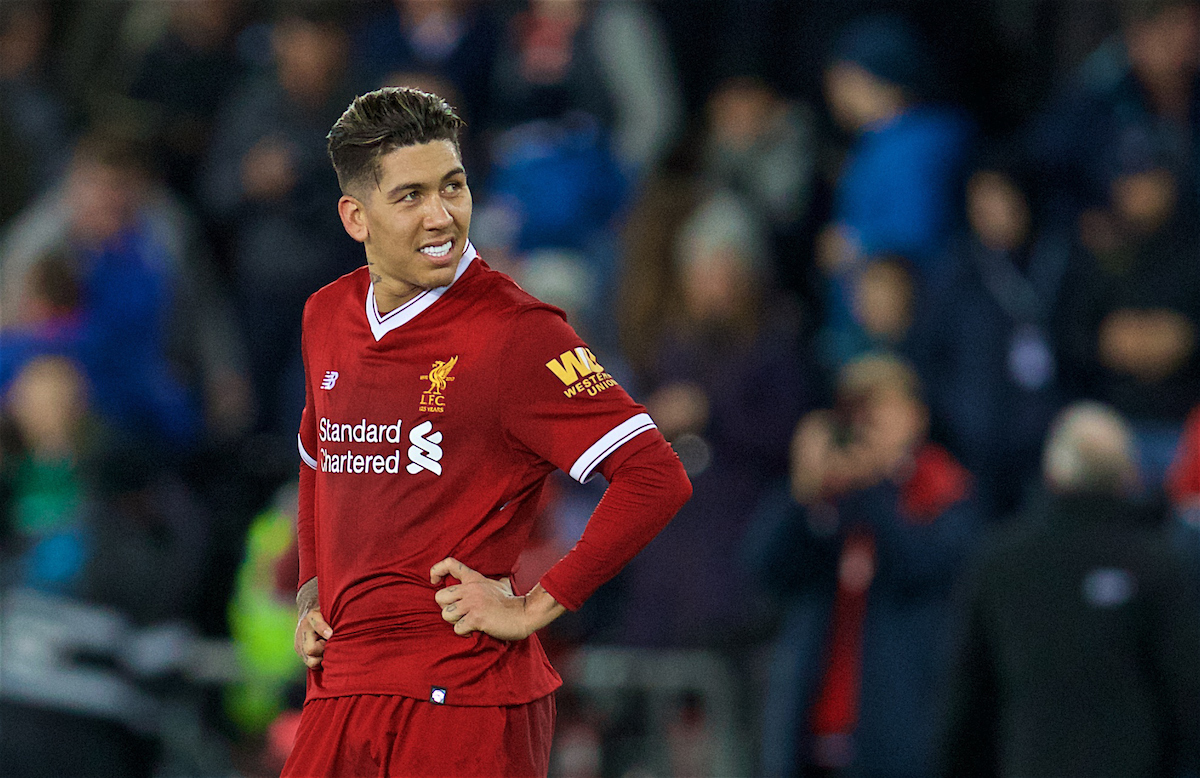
(1080, 654)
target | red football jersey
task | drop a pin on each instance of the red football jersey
(431, 430)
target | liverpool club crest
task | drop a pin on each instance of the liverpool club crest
(433, 400)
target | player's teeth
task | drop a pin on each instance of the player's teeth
(437, 251)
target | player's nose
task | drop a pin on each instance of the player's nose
(437, 215)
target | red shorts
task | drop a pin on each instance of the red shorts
(387, 736)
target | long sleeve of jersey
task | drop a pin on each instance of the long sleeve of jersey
(306, 509)
(305, 524)
(646, 487)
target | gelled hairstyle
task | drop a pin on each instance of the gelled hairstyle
(382, 121)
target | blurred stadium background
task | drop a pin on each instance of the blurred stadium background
(734, 201)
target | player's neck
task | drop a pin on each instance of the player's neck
(391, 295)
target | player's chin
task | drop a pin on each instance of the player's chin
(438, 276)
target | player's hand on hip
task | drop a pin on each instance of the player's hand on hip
(478, 603)
(311, 634)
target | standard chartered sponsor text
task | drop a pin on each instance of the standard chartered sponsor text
(424, 453)
(362, 432)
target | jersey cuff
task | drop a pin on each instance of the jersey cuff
(584, 467)
(308, 460)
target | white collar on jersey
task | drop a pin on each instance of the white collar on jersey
(385, 323)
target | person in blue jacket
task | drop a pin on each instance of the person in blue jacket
(899, 188)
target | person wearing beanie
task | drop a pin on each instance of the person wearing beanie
(1147, 75)
(890, 49)
(727, 380)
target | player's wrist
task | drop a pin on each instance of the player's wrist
(307, 596)
(540, 608)
(527, 624)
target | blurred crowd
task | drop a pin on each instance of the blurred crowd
(856, 259)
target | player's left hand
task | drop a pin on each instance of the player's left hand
(478, 603)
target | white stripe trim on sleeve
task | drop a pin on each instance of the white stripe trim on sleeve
(308, 460)
(618, 436)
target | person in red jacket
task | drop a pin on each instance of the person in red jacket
(861, 546)
(439, 396)
(1183, 478)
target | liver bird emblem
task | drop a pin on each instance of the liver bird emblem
(439, 374)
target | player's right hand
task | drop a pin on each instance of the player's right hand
(311, 634)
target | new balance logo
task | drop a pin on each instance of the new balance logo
(331, 377)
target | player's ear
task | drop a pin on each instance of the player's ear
(354, 217)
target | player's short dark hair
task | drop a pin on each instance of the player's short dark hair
(382, 121)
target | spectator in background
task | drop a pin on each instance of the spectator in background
(1080, 652)
(93, 521)
(583, 101)
(444, 47)
(52, 294)
(1182, 493)
(34, 120)
(93, 514)
(456, 40)
(141, 304)
(262, 619)
(1183, 479)
(607, 60)
(1134, 314)
(758, 147)
(110, 189)
(883, 303)
(764, 147)
(898, 189)
(728, 379)
(1144, 77)
(862, 546)
(268, 186)
(183, 79)
(46, 538)
(555, 188)
(647, 273)
(49, 316)
(45, 546)
(991, 331)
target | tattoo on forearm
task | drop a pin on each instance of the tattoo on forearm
(306, 598)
